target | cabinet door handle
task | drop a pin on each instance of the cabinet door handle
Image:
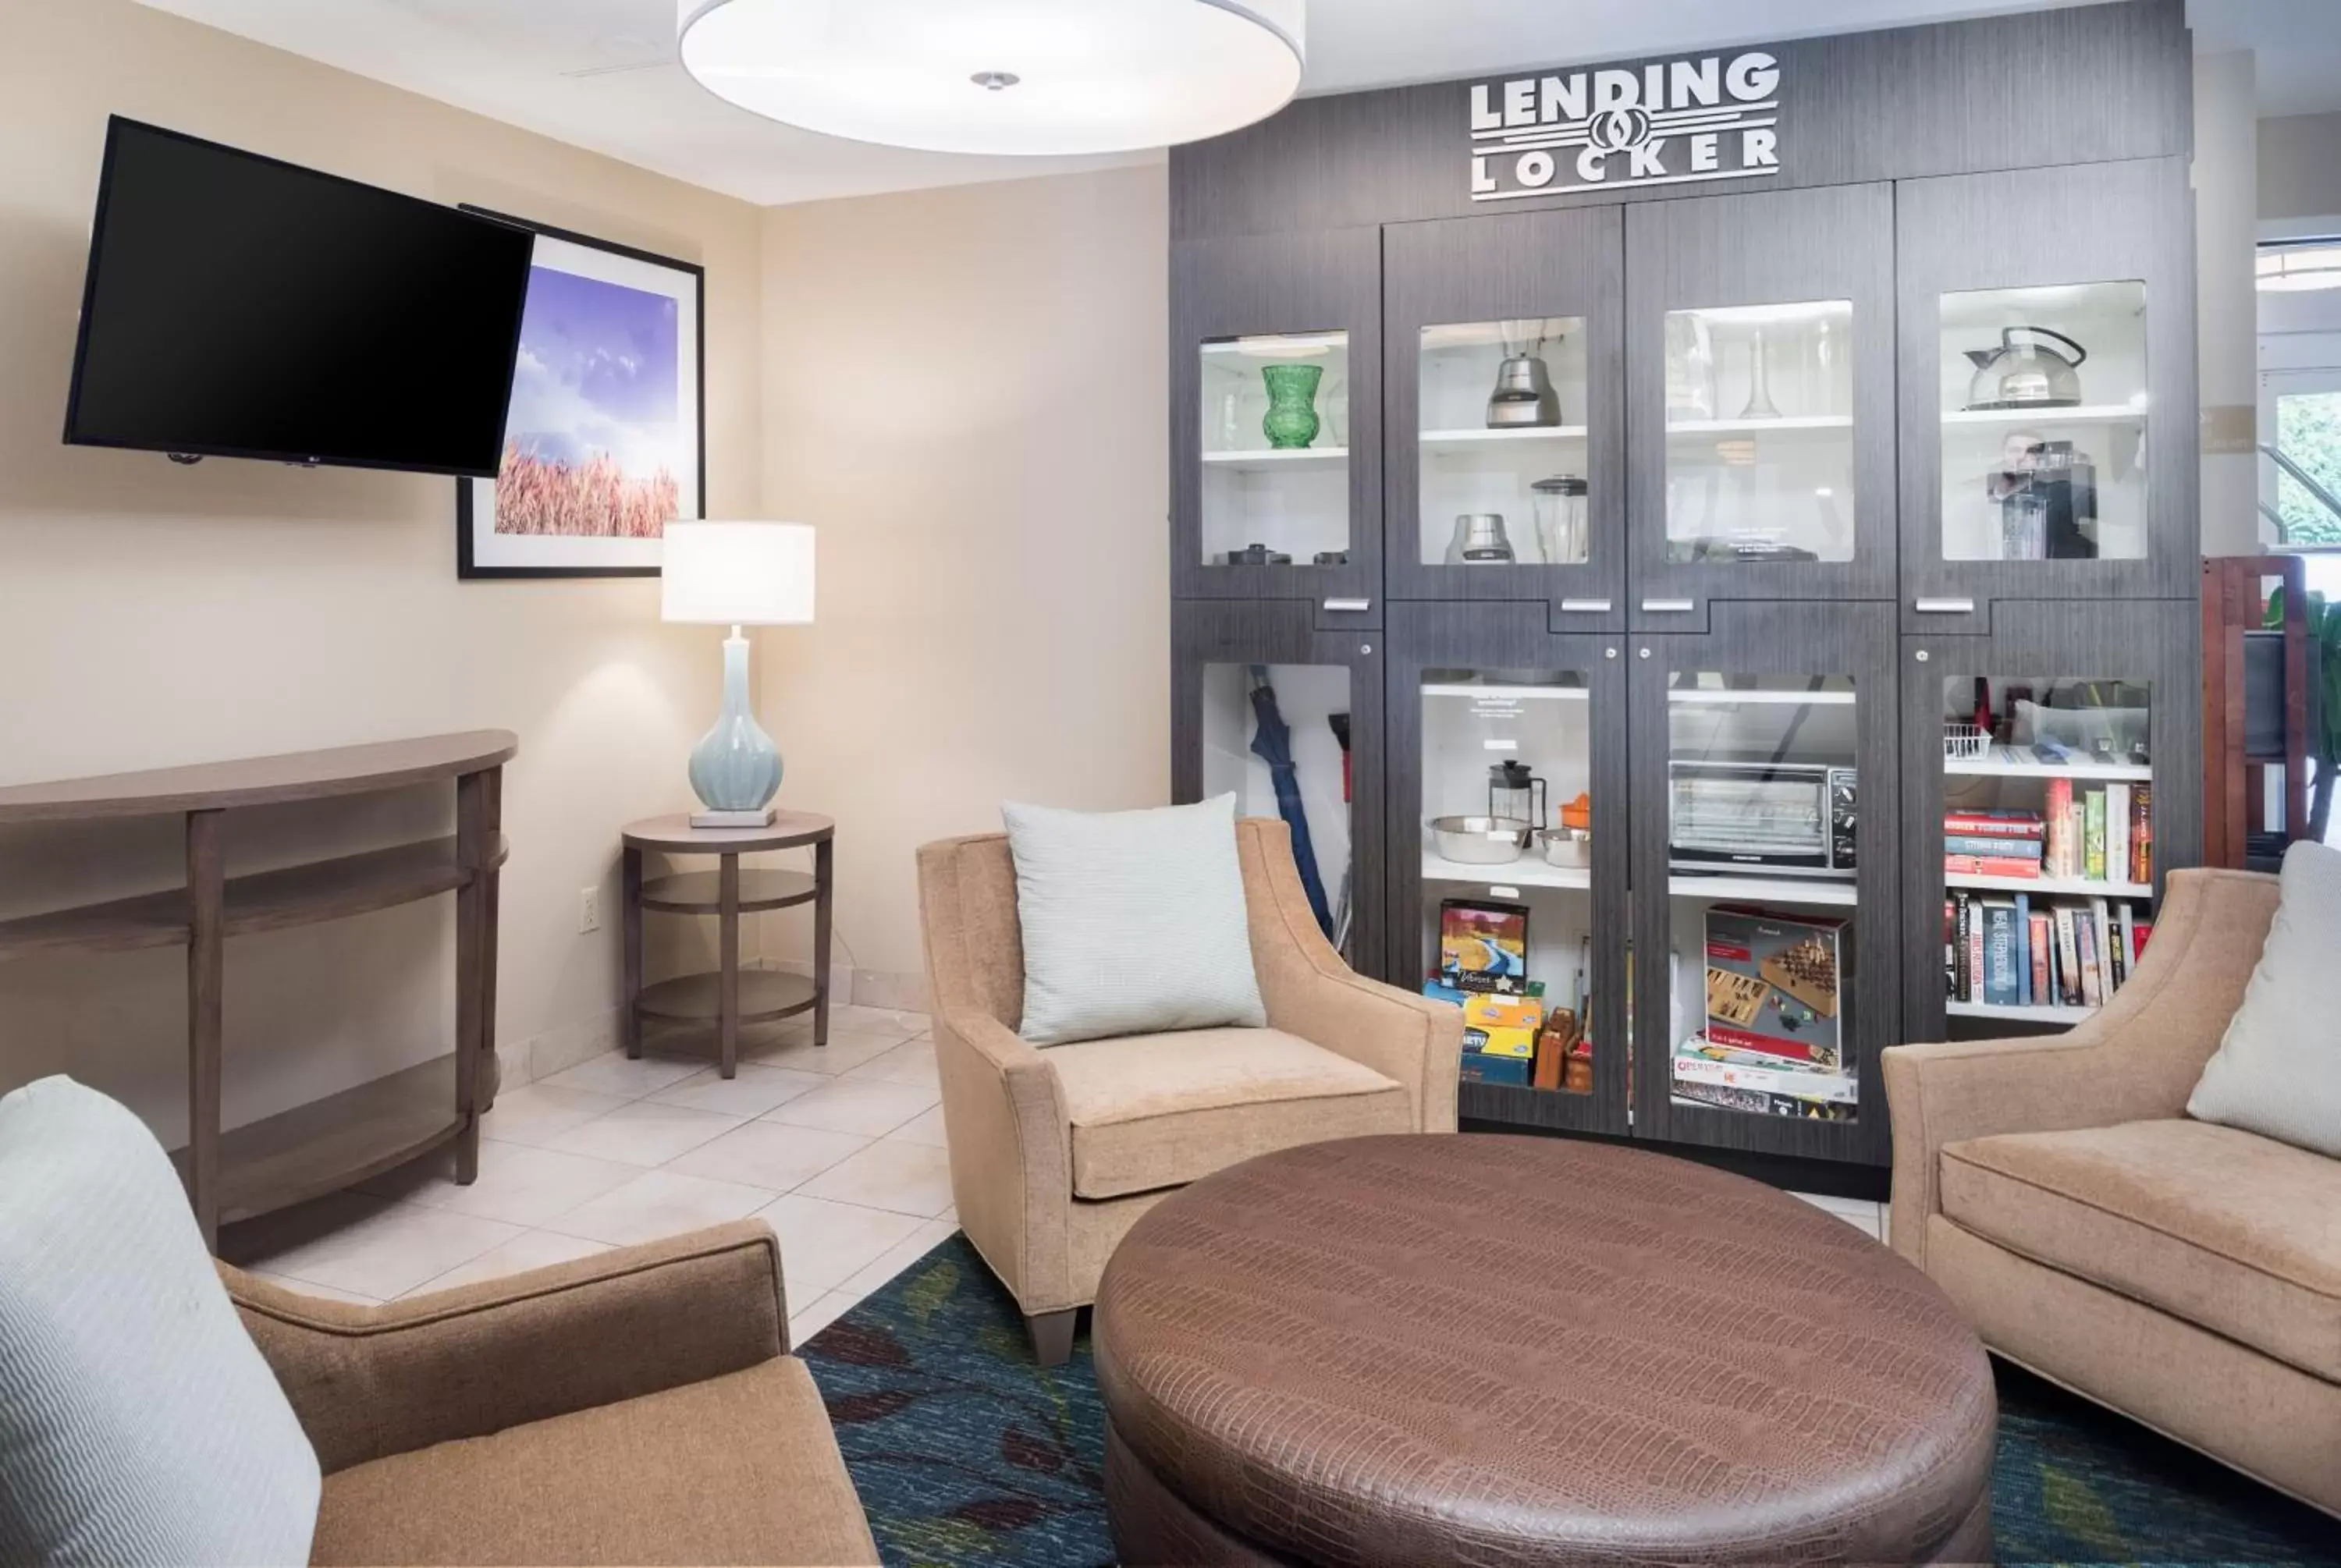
(1943, 606)
(1668, 606)
(1585, 606)
(1359, 605)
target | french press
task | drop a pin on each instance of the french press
(1517, 795)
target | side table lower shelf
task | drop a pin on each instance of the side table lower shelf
(764, 995)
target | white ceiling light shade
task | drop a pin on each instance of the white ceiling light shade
(1034, 77)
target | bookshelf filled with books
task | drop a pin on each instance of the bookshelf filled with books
(2044, 832)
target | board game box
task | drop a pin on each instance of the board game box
(1483, 947)
(1773, 983)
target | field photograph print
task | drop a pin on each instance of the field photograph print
(603, 444)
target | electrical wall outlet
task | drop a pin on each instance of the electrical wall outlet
(589, 911)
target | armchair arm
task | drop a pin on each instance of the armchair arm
(1312, 993)
(367, 1382)
(1012, 1156)
(2136, 1059)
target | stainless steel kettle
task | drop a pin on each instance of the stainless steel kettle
(1524, 394)
(2025, 372)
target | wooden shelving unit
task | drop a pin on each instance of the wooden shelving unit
(347, 1137)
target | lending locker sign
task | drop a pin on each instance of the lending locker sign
(1677, 122)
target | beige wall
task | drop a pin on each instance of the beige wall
(964, 389)
(2300, 166)
(151, 614)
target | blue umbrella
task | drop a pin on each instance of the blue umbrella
(1271, 742)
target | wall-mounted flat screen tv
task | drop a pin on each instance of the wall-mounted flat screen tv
(237, 306)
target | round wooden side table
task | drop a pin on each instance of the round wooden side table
(727, 996)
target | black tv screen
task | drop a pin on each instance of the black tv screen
(237, 306)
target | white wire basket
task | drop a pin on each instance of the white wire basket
(1965, 742)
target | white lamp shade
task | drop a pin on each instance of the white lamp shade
(1000, 76)
(738, 574)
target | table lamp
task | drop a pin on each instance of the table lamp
(737, 574)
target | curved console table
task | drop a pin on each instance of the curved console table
(313, 1148)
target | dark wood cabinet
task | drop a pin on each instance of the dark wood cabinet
(1239, 306)
(1911, 404)
(1220, 652)
(2073, 674)
(2100, 256)
(1738, 739)
(1759, 375)
(1459, 295)
(1473, 686)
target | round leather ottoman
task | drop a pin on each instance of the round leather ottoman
(1496, 1351)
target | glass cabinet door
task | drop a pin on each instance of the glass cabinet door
(1761, 377)
(1503, 367)
(2047, 391)
(1763, 989)
(2057, 777)
(1271, 710)
(1513, 876)
(1275, 427)
(1276, 418)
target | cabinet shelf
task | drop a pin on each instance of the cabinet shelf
(2024, 767)
(702, 892)
(290, 896)
(1448, 443)
(1516, 693)
(1524, 872)
(1273, 460)
(1788, 424)
(2037, 1014)
(2088, 413)
(1811, 892)
(2055, 886)
(1270, 348)
(1780, 699)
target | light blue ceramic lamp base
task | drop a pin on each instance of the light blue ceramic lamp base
(736, 768)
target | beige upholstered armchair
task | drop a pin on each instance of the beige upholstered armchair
(2185, 1274)
(1056, 1152)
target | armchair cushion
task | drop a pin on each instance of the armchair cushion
(2236, 1234)
(138, 1423)
(739, 1468)
(1131, 921)
(2276, 1072)
(1153, 1111)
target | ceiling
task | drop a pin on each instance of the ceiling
(600, 73)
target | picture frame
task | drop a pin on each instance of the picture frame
(607, 431)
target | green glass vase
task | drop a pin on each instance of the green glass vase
(1292, 420)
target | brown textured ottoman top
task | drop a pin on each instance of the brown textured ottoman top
(1509, 1350)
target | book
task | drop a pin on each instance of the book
(1952, 948)
(1975, 980)
(2043, 989)
(2069, 959)
(1960, 900)
(2085, 938)
(1984, 845)
(2124, 919)
(2093, 836)
(2005, 824)
(2140, 932)
(1988, 866)
(2023, 949)
(2058, 827)
(2116, 832)
(2141, 833)
(2000, 986)
(2102, 928)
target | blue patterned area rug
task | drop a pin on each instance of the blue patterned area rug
(966, 1453)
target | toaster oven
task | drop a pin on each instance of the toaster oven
(1792, 818)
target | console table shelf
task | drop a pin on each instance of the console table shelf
(314, 1148)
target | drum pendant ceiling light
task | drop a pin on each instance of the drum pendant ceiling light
(1014, 76)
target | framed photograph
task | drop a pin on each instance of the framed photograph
(607, 436)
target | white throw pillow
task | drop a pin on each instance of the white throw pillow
(2277, 1071)
(1133, 921)
(138, 1423)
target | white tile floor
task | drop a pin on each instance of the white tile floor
(839, 1149)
